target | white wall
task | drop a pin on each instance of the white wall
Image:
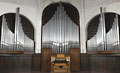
(32, 9)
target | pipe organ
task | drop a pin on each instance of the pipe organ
(114, 35)
(60, 38)
(103, 41)
(7, 37)
(60, 33)
(17, 41)
(19, 34)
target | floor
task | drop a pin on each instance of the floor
(44, 72)
(60, 72)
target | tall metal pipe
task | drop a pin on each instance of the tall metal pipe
(62, 30)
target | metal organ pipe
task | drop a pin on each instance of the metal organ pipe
(65, 32)
(3, 33)
(19, 34)
(60, 32)
(102, 40)
(7, 37)
(110, 35)
(98, 42)
(101, 34)
(10, 38)
(28, 46)
(92, 44)
(22, 41)
(17, 23)
(116, 44)
(17, 41)
(114, 34)
(117, 32)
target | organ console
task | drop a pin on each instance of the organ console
(60, 63)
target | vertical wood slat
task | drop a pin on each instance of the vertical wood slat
(36, 62)
(75, 59)
(0, 64)
(106, 64)
(46, 60)
(84, 63)
(15, 64)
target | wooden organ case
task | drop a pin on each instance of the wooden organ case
(60, 42)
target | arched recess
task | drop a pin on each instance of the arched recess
(60, 33)
(93, 25)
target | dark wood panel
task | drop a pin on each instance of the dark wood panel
(36, 62)
(15, 64)
(84, 62)
(88, 63)
(0, 64)
(46, 60)
(100, 63)
(106, 64)
(75, 59)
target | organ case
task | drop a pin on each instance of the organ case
(60, 34)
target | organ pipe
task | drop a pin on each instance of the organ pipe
(101, 34)
(22, 41)
(7, 37)
(17, 41)
(97, 42)
(117, 32)
(114, 34)
(3, 33)
(60, 32)
(19, 34)
(103, 41)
